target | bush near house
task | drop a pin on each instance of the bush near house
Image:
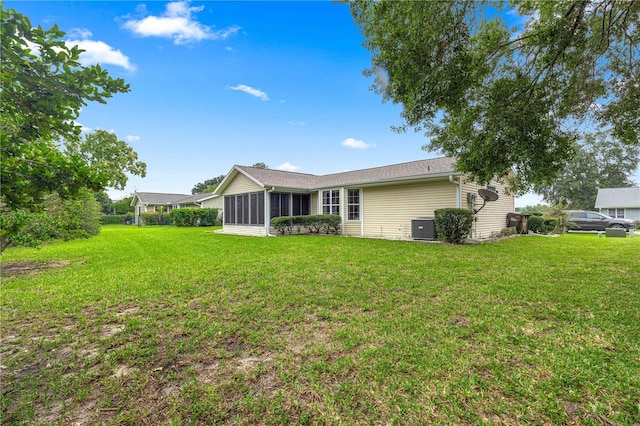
(155, 218)
(453, 225)
(194, 217)
(314, 224)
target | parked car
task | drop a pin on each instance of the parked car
(582, 220)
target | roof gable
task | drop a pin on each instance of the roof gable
(618, 197)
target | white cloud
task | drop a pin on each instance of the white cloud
(133, 138)
(356, 144)
(288, 167)
(178, 24)
(97, 52)
(250, 90)
(297, 123)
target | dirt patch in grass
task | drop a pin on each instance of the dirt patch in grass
(16, 269)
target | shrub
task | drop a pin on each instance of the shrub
(208, 217)
(453, 225)
(154, 218)
(114, 219)
(551, 225)
(535, 224)
(194, 217)
(327, 223)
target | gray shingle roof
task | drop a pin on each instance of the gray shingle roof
(618, 197)
(160, 198)
(395, 172)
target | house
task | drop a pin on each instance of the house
(144, 202)
(621, 203)
(375, 202)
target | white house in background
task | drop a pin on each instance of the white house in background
(376, 202)
(144, 202)
(621, 203)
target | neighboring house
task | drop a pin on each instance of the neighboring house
(144, 202)
(623, 203)
(376, 202)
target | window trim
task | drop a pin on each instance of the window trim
(334, 201)
(351, 204)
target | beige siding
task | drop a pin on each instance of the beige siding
(255, 231)
(213, 203)
(350, 227)
(242, 184)
(388, 210)
(493, 217)
(314, 203)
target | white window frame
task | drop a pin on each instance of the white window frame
(333, 207)
(351, 204)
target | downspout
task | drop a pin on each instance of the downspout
(267, 209)
(457, 184)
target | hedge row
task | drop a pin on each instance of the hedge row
(115, 219)
(182, 217)
(194, 217)
(314, 224)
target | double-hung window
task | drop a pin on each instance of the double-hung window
(353, 204)
(331, 202)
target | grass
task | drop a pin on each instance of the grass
(164, 325)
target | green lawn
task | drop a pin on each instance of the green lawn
(182, 326)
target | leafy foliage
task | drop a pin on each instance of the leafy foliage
(115, 219)
(503, 97)
(155, 218)
(105, 153)
(194, 217)
(600, 162)
(453, 225)
(208, 185)
(43, 89)
(123, 206)
(66, 219)
(314, 224)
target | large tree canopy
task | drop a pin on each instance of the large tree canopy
(600, 162)
(43, 89)
(106, 154)
(507, 86)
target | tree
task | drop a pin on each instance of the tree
(106, 205)
(260, 165)
(600, 162)
(208, 185)
(500, 96)
(123, 206)
(43, 89)
(108, 155)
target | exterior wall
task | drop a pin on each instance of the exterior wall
(387, 210)
(632, 214)
(350, 227)
(493, 217)
(213, 203)
(254, 231)
(240, 185)
(314, 203)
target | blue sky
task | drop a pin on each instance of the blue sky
(215, 84)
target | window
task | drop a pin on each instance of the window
(331, 202)
(301, 204)
(244, 209)
(353, 204)
(616, 213)
(279, 204)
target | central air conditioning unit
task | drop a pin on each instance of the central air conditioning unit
(423, 228)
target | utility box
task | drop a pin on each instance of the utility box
(423, 228)
(615, 233)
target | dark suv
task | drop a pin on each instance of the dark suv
(582, 220)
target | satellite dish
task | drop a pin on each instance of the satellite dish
(487, 194)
